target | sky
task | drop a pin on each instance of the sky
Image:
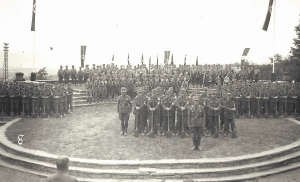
(216, 31)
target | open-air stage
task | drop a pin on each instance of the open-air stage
(90, 137)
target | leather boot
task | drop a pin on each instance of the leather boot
(125, 132)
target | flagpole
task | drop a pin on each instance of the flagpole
(274, 38)
(33, 51)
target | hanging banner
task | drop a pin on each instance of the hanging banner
(246, 50)
(33, 16)
(82, 55)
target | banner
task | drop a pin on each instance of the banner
(246, 50)
(167, 55)
(142, 61)
(197, 61)
(172, 62)
(268, 16)
(33, 16)
(82, 55)
(185, 60)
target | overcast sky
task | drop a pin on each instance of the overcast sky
(216, 31)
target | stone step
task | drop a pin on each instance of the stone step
(84, 104)
(78, 94)
(79, 97)
(90, 177)
(79, 91)
(79, 101)
(148, 172)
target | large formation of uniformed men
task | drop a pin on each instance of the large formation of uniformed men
(34, 99)
(106, 81)
(212, 108)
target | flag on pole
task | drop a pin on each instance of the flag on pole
(82, 55)
(142, 61)
(157, 62)
(128, 60)
(113, 58)
(246, 50)
(172, 63)
(197, 61)
(33, 16)
(268, 16)
(185, 60)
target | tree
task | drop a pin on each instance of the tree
(42, 74)
(295, 50)
(278, 58)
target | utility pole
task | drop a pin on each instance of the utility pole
(5, 63)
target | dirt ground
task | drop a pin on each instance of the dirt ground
(93, 132)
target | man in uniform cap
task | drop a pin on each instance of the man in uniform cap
(213, 104)
(86, 73)
(140, 104)
(60, 74)
(73, 75)
(124, 108)
(153, 104)
(182, 111)
(229, 108)
(167, 104)
(36, 99)
(70, 98)
(97, 89)
(89, 90)
(45, 95)
(67, 73)
(14, 95)
(80, 75)
(25, 94)
(197, 121)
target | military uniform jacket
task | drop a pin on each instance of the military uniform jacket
(281, 94)
(35, 93)
(88, 85)
(124, 104)
(69, 94)
(60, 73)
(228, 114)
(196, 113)
(73, 73)
(153, 102)
(14, 93)
(67, 73)
(168, 102)
(272, 94)
(245, 92)
(80, 74)
(141, 102)
(214, 103)
(293, 95)
(182, 101)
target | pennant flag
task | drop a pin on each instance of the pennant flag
(113, 58)
(167, 55)
(268, 16)
(82, 55)
(246, 50)
(51, 48)
(142, 61)
(128, 60)
(172, 63)
(185, 60)
(197, 61)
(33, 16)
(157, 62)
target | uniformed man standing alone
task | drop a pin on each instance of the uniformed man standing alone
(124, 108)
(197, 121)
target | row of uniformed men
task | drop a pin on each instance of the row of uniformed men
(35, 99)
(159, 109)
(198, 75)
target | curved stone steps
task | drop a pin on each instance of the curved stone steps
(152, 172)
(248, 176)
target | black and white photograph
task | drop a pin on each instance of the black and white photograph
(150, 91)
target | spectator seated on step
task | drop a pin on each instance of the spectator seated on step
(62, 171)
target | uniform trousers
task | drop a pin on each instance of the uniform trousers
(227, 122)
(182, 119)
(124, 117)
(14, 101)
(197, 133)
(73, 77)
(168, 122)
(282, 105)
(89, 93)
(213, 123)
(156, 124)
(26, 106)
(67, 80)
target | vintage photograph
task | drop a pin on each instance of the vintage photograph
(150, 91)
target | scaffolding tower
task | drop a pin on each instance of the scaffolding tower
(5, 62)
